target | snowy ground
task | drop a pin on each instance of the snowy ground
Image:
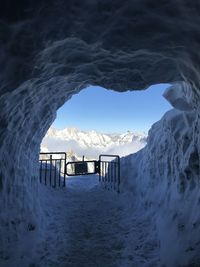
(89, 226)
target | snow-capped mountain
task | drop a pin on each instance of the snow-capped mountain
(92, 143)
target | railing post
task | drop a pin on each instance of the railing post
(99, 162)
(119, 180)
(50, 169)
(64, 182)
(55, 174)
(46, 172)
(60, 165)
(40, 171)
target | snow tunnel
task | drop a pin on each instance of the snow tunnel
(54, 49)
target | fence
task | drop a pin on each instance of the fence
(53, 168)
(109, 171)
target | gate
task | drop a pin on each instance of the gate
(53, 168)
(109, 171)
(108, 168)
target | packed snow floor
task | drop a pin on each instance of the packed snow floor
(88, 226)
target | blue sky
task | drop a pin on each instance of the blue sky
(96, 108)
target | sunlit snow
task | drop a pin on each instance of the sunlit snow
(92, 143)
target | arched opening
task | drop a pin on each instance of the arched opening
(51, 51)
(48, 102)
(99, 121)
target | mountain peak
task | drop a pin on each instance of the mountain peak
(92, 142)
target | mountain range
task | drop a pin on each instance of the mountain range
(92, 143)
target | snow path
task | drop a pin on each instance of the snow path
(87, 227)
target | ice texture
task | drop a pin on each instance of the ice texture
(179, 96)
(50, 51)
(164, 179)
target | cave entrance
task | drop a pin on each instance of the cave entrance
(100, 121)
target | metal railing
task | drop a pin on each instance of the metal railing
(109, 171)
(53, 168)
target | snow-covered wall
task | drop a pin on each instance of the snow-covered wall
(164, 179)
(50, 50)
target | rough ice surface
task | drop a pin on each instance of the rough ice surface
(50, 51)
(180, 97)
(167, 187)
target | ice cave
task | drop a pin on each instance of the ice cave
(51, 50)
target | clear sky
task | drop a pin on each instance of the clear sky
(96, 108)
